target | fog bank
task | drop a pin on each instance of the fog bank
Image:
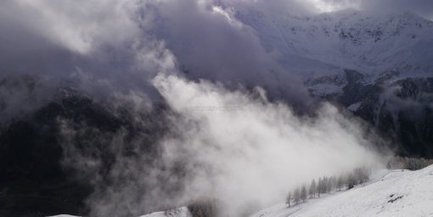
(243, 150)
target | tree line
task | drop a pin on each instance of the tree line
(327, 184)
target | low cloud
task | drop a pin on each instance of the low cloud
(210, 43)
(245, 150)
(230, 146)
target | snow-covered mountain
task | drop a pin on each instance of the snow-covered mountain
(347, 39)
(320, 48)
(379, 66)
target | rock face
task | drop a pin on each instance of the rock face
(33, 179)
(400, 108)
(38, 177)
(403, 114)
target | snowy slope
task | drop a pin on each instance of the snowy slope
(63, 216)
(180, 212)
(399, 193)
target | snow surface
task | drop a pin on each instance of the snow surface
(398, 193)
(63, 216)
(180, 212)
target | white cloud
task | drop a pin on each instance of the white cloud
(243, 150)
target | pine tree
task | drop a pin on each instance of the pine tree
(297, 196)
(313, 189)
(333, 183)
(361, 175)
(351, 182)
(304, 193)
(340, 183)
(289, 199)
(323, 185)
(326, 185)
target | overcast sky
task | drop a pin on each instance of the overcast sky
(107, 36)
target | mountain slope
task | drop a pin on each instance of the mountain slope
(379, 66)
(56, 157)
(399, 193)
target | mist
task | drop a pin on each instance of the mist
(231, 147)
(242, 149)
